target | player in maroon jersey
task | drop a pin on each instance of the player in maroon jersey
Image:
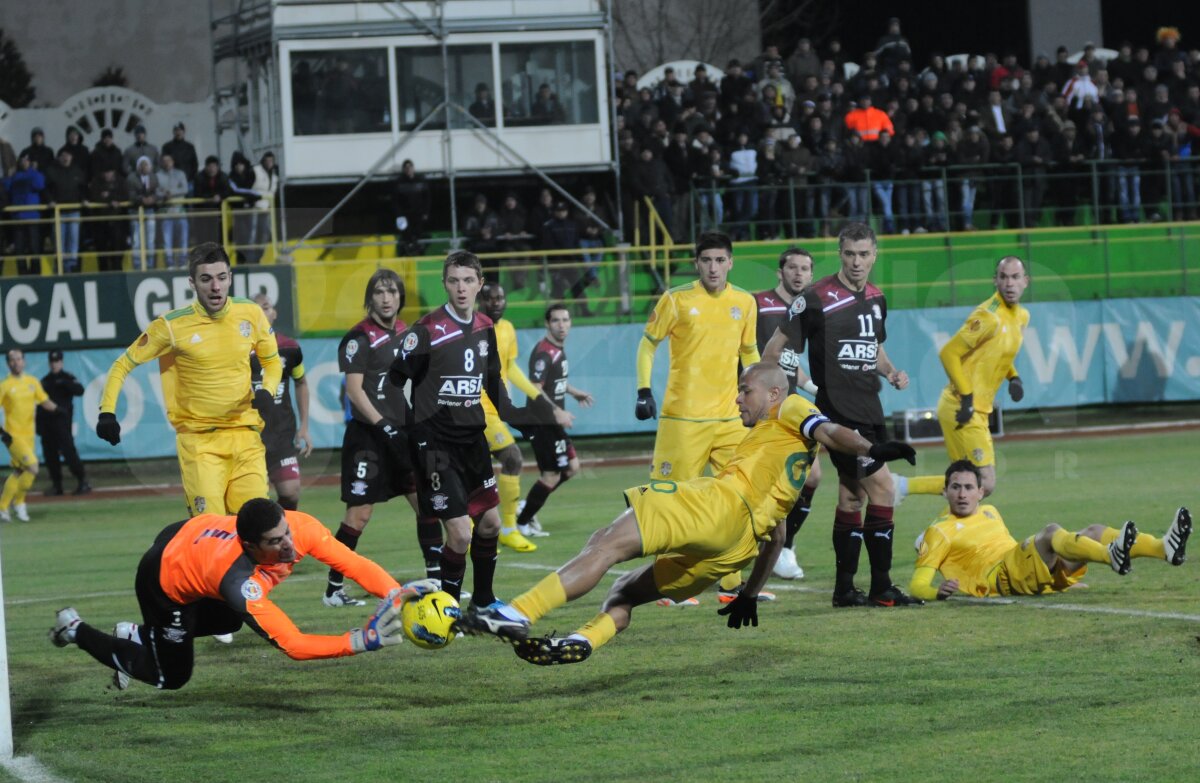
(795, 274)
(376, 466)
(284, 441)
(450, 357)
(552, 448)
(841, 320)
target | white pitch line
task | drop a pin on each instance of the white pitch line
(29, 770)
(1029, 603)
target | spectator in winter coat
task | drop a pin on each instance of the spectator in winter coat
(142, 185)
(25, 188)
(65, 184)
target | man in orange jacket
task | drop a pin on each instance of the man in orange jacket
(210, 574)
(867, 121)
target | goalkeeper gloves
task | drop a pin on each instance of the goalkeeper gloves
(108, 428)
(742, 610)
(645, 408)
(966, 409)
(893, 450)
(382, 629)
(1016, 389)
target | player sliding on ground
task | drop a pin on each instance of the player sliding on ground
(976, 555)
(700, 529)
(210, 574)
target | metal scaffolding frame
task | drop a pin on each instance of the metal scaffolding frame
(247, 35)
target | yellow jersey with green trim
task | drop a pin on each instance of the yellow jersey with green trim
(706, 334)
(966, 548)
(205, 364)
(506, 347)
(992, 336)
(769, 466)
(19, 395)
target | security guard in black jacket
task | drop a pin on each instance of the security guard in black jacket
(55, 428)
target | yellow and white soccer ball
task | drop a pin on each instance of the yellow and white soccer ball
(429, 620)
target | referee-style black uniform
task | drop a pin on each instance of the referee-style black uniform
(55, 428)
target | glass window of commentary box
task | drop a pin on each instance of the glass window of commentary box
(419, 87)
(340, 91)
(549, 83)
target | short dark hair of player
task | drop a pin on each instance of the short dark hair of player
(463, 258)
(793, 251)
(256, 517)
(556, 306)
(206, 253)
(713, 239)
(853, 232)
(964, 466)
(383, 276)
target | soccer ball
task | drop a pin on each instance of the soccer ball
(429, 620)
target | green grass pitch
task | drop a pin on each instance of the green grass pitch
(1100, 683)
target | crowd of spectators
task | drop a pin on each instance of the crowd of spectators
(141, 196)
(795, 144)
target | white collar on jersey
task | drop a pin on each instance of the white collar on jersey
(450, 312)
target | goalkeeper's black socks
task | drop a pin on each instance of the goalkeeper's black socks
(799, 513)
(453, 566)
(847, 543)
(878, 530)
(348, 536)
(431, 541)
(483, 567)
(534, 501)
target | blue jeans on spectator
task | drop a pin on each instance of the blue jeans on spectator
(883, 194)
(1183, 189)
(856, 201)
(712, 210)
(1129, 192)
(591, 260)
(68, 240)
(745, 208)
(933, 195)
(174, 225)
(969, 191)
(135, 235)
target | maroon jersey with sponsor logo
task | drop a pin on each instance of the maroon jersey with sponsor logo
(548, 366)
(369, 348)
(772, 313)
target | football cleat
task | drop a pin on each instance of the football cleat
(21, 511)
(728, 596)
(786, 566)
(550, 650)
(1118, 551)
(671, 602)
(533, 529)
(851, 597)
(517, 542)
(5, 516)
(893, 596)
(127, 631)
(341, 598)
(66, 621)
(223, 638)
(1175, 541)
(496, 619)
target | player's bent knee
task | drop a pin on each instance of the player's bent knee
(1094, 532)
(510, 460)
(550, 479)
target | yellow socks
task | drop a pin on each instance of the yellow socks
(1146, 545)
(11, 488)
(1078, 548)
(926, 485)
(509, 488)
(599, 630)
(543, 598)
(23, 485)
(731, 581)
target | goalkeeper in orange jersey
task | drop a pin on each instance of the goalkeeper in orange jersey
(212, 573)
(700, 529)
(976, 555)
(977, 360)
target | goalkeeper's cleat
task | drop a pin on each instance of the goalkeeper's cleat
(1175, 541)
(66, 622)
(671, 602)
(496, 619)
(786, 566)
(339, 597)
(21, 511)
(899, 489)
(1119, 556)
(515, 541)
(223, 638)
(127, 631)
(728, 596)
(893, 596)
(851, 597)
(550, 650)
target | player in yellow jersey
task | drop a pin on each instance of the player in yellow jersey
(709, 326)
(204, 357)
(977, 359)
(700, 529)
(976, 555)
(501, 443)
(19, 395)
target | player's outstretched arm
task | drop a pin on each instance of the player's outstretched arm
(151, 344)
(846, 440)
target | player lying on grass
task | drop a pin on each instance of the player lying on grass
(210, 574)
(700, 529)
(976, 554)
